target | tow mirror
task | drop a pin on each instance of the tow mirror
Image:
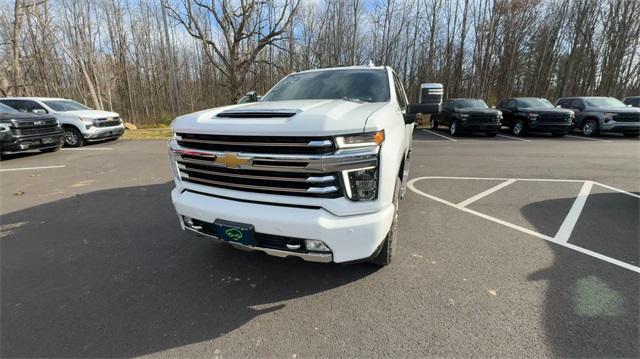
(431, 95)
(252, 96)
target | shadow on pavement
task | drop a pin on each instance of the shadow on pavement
(110, 274)
(591, 309)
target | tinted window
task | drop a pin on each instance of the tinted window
(16, 104)
(65, 105)
(577, 104)
(534, 102)
(6, 109)
(566, 103)
(469, 103)
(362, 85)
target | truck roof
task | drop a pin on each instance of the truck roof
(343, 68)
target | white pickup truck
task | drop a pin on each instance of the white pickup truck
(314, 170)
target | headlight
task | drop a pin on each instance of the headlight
(609, 115)
(361, 184)
(88, 122)
(4, 128)
(464, 115)
(361, 140)
(533, 115)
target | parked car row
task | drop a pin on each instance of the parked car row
(589, 115)
(39, 123)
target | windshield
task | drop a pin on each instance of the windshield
(534, 102)
(6, 109)
(469, 103)
(361, 85)
(65, 105)
(604, 102)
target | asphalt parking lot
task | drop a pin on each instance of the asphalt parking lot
(508, 247)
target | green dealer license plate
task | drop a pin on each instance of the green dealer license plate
(235, 232)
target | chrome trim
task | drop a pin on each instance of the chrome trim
(309, 257)
(319, 190)
(340, 160)
(325, 143)
(312, 179)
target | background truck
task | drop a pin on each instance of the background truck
(21, 132)
(602, 114)
(314, 170)
(81, 124)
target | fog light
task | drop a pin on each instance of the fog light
(188, 221)
(363, 184)
(316, 245)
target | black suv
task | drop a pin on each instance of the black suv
(603, 114)
(468, 115)
(633, 101)
(22, 132)
(534, 114)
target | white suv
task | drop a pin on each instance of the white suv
(81, 124)
(314, 170)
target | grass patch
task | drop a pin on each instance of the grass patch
(161, 133)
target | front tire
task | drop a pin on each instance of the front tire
(389, 245)
(590, 128)
(73, 137)
(518, 128)
(434, 124)
(453, 128)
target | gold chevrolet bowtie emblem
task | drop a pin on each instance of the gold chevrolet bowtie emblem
(231, 160)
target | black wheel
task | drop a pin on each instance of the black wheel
(631, 134)
(73, 137)
(389, 245)
(453, 128)
(518, 128)
(434, 124)
(558, 134)
(590, 127)
(492, 134)
(51, 149)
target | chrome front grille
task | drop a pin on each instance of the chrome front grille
(45, 130)
(553, 118)
(482, 119)
(294, 166)
(257, 144)
(108, 122)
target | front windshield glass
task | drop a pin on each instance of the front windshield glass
(65, 105)
(6, 109)
(605, 102)
(469, 103)
(368, 85)
(534, 103)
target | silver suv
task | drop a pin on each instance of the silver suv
(602, 114)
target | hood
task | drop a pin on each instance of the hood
(23, 116)
(300, 117)
(88, 114)
(479, 111)
(543, 110)
(616, 109)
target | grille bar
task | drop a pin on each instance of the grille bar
(310, 190)
(309, 179)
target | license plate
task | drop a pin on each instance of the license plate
(234, 232)
(46, 141)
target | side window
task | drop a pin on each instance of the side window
(32, 106)
(564, 103)
(16, 104)
(635, 102)
(577, 104)
(400, 95)
(510, 104)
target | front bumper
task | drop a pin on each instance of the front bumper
(15, 145)
(479, 127)
(621, 127)
(104, 133)
(350, 238)
(549, 127)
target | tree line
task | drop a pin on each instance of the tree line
(150, 60)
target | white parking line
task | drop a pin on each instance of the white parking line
(468, 201)
(558, 239)
(30, 168)
(574, 213)
(515, 138)
(587, 138)
(88, 149)
(437, 134)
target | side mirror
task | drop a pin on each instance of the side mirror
(409, 118)
(252, 96)
(558, 106)
(39, 111)
(629, 106)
